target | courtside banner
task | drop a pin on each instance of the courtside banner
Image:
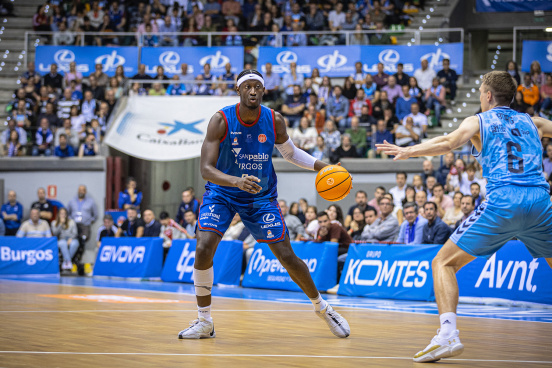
(512, 5)
(264, 271)
(87, 58)
(511, 273)
(339, 61)
(170, 58)
(227, 264)
(389, 271)
(540, 51)
(130, 257)
(164, 128)
(28, 256)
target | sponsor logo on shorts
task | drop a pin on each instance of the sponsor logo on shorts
(274, 224)
(209, 215)
(262, 138)
(268, 218)
(209, 224)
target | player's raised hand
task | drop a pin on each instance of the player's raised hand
(389, 149)
(249, 184)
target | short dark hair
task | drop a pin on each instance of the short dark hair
(400, 64)
(361, 192)
(132, 208)
(411, 205)
(370, 209)
(164, 215)
(470, 197)
(189, 210)
(402, 173)
(108, 217)
(475, 183)
(322, 213)
(431, 203)
(437, 185)
(382, 188)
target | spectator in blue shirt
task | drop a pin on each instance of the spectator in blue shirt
(12, 213)
(44, 139)
(188, 203)
(412, 230)
(294, 106)
(150, 39)
(297, 38)
(64, 150)
(176, 89)
(130, 196)
(381, 134)
(403, 104)
(229, 76)
(435, 231)
(338, 108)
(168, 27)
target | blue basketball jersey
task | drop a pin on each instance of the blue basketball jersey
(246, 149)
(511, 151)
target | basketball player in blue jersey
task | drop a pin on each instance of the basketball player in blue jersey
(508, 146)
(236, 161)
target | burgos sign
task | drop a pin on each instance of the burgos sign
(395, 272)
(24, 256)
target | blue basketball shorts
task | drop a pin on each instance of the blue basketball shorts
(510, 211)
(263, 218)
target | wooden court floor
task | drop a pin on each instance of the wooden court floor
(68, 326)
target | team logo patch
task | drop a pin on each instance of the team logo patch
(262, 138)
(249, 138)
(235, 141)
(330, 181)
(269, 234)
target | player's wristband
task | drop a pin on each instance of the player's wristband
(295, 155)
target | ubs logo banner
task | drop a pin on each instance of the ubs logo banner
(339, 61)
(170, 58)
(511, 273)
(87, 58)
(227, 264)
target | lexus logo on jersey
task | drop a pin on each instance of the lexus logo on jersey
(262, 138)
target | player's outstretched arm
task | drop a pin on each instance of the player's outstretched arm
(436, 146)
(209, 157)
(292, 154)
(544, 126)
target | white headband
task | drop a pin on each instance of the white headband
(250, 76)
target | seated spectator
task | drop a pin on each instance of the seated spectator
(430, 183)
(336, 213)
(448, 77)
(130, 196)
(44, 140)
(357, 224)
(421, 199)
(320, 151)
(401, 77)
(380, 136)
(399, 191)
(63, 36)
(407, 135)
(12, 214)
(442, 201)
(411, 230)
(345, 150)
(294, 225)
(518, 104)
(188, 202)
(337, 108)
(108, 229)
(152, 227)
(294, 106)
(141, 75)
(381, 78)
(201, 89)
(65, 229)
(453, 214)
(186, 77)
(381, 105)
(547, 162)
(78, 121)
(13, 146)
(418, 183)
(332, 232)
(115, 88)
(272, 84)
(133, 226)
(403, 107)
(546, 95)
(475, 192)
(191, 222)
(157, 90)
(89, 105)
(435, 99)
(370, 89)
(385, 228)
(96, 14)
(356, 104)
(331, 136)
(166, 28)
(170, 230)
(359, 136)
(65, 104)
(349, 89)
(297, 38)
(444, 170)
(89, 148)
(292, 79)
(530, 92)
(435, 231)
(12, 126)
(394, 91)
(34, 227)
(98, 92)
(71, 135)
(374, 202)
(467, 205)
(44, 206)
(53, 79)
(304, 136)
(424, 76)
(468, 177)
(380, 38)
(176, 89)
(73, 75)
(361, 200)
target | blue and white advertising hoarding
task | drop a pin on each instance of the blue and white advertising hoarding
(512, 5)
(28, 256)
(540, 51)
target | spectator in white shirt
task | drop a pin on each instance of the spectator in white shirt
(336, 17)
(408, 134)
(419, 119)
(424, 75)
(398, 191)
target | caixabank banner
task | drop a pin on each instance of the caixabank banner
(264, 271)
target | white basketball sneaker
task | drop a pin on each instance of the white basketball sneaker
(337, 324)
(440, 347)
(199, 329)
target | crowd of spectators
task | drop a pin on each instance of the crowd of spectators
(534, 91)
(157, 21)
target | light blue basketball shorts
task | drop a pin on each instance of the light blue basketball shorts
(510, 211)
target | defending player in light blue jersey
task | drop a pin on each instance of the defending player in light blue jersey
(508, 146)
(236, 161)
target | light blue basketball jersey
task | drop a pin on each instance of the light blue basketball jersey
(511, 151)
(247, 150)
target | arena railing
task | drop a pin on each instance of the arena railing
(442, 35)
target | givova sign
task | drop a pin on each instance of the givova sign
(130, 257)
(266, 272)
(394, 272)
(511, 273)
(227, 263)
(28, 256)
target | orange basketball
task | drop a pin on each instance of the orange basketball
(333, 183)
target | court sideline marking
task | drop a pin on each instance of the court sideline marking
(271, 356)
(159, 310)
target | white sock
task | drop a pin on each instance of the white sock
(448, 324)
(204, 312)
(319, 303)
